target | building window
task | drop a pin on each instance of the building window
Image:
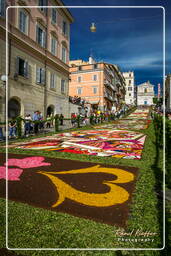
(95, 66)
(129, 74)
(65, 28)
(52, 81)
(53, 46)
(130, 94)
(129, 81)
(43, 3)
(79, 79)
(40, 75)
(63, 54)
(79, 90)
(94, 77)
(41, 35)
(129, 88)
(79, 68)
(94, 90)
(2, 7)
(145, 90)
(23, 22)
(22, 67)
(54, 16)
(62, 86)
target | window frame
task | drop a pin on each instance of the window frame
(56, 45)
(79, 79)
(25, 68)
(81, 90)
(65, 28)
(130, 89)
(95, 88)
(42, 76)
(95, 75)
(26, 21)
(52, 21)
(52, 81)
(65, 55)
(44, 32)
(63, 84)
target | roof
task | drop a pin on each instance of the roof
(146, 84)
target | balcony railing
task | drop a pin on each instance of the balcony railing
(108, 96)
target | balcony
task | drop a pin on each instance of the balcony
(108, 96)
(110, 85)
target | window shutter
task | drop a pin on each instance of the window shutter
(44, 39)
(17, 65)
(50, 80)
(20, 22)
(38, 75)
(26, 69)
(30, 72)
(43, 76)
(37, 34)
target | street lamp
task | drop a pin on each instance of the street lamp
(3, 79)
(93, 27)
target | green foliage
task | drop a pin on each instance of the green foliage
(19, 126)
(168, 153)
(35, 227)
(56, 123)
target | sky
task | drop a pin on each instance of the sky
(131, 38)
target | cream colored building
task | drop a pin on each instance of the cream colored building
(38, 58)
(145, 94)
(130, 87)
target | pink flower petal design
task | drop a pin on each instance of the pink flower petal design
(28, 162)
(13, 173)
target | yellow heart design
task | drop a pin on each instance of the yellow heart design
(116, 195)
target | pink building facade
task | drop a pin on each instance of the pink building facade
(38, 57)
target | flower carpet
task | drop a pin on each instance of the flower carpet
(100, 142)
(125, 124)
(99, 192)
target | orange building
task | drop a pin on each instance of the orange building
(101, 84)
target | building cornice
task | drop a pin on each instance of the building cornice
(65, 10)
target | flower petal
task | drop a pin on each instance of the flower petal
(13, 173)
(28, 162)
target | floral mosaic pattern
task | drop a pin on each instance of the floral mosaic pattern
(15, 173)
(104, 140)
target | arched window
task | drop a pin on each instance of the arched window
(14, 108)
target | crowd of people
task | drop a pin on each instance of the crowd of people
(77, 100)
(36, 123)
(32, 124)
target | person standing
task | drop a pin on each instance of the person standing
(27, 125)
(48, 123)
(12, 128)
(36, 121)
(1, 131)
(61, 118)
